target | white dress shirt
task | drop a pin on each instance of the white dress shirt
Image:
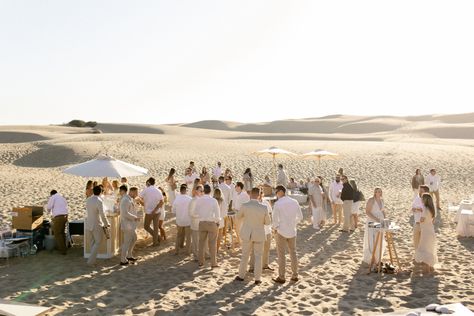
(226, 193)
(192, 214)
(128, 213)
(206, 209)
(334, 190)
(57, 205)
(433, 182)
(181, 209)
(238, 199)
(217, 172)
(151, 196)
(417, 203)
(286, 215)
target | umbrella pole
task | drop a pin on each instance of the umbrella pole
(274, 171)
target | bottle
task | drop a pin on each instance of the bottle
(33, 250)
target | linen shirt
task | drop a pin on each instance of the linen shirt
(433, 182)
(334, 190)
(226, 193)
(181, 209)
(316, 194)
(206, 209)
(417, 203)
(57, 205)
(151, 196)
(238, 199)
(286, 215)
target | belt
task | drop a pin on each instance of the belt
(60, 215)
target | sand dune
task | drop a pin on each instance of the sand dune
(128, 128)
(443, 126)
(20, 137)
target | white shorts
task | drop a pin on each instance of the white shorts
(355, 208)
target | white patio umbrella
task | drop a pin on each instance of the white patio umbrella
(106, 166)
(318, 154)
(273, 152)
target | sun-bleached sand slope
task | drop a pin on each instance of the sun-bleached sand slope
(333, 280)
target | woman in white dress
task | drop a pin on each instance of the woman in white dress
(426, 253)
(223, 214)
(316, 196)
(375, 213)
(358, 198)
(171, 183)
(248, 180)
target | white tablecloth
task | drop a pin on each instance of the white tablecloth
(465, 227)
(301, 198)
(464, 205)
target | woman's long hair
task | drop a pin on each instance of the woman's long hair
(171, 173)
(218, 195)
(353, 184)
(247, 171)
(428, 203)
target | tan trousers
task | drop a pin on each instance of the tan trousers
(256, 247)
(183, 233)
(59, 231)
(416, 235)
(266, 253)
(129, 240)
(282, 243)
(208, 232)
(154, 232)
(96, 238)
(337, 213)
(347, 207)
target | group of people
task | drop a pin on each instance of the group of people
(207, 207)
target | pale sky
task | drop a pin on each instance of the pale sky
(181, 61)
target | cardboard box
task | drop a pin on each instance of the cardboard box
(27, 218)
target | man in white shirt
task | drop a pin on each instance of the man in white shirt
(286, 215)
(189, 178)
(95, 222)
(254, 216)
(152, 199)
(183, 219)
(282, 178)
(433, 181)
(417, 209)
(128, 223)
(208, 212)
(197, 193)
(239, 197)
(226, 191)
(57, 206)
(216, 172)
(335, 190)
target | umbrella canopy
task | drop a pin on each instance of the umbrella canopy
(273, 152)
(318, 154)
(106, 166)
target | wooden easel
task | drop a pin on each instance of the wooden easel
(391, 250)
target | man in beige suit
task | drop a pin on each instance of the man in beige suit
(253, 216)
(128, 224)
(95, 222)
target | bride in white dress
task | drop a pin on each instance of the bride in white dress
(426, 252)
(375, 213)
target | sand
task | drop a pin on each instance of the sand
(378, 151)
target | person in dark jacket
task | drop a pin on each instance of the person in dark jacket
(347, 197)
(358, 197)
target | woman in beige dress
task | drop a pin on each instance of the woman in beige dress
(171, 184)
(375, 213)
(426, 253)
